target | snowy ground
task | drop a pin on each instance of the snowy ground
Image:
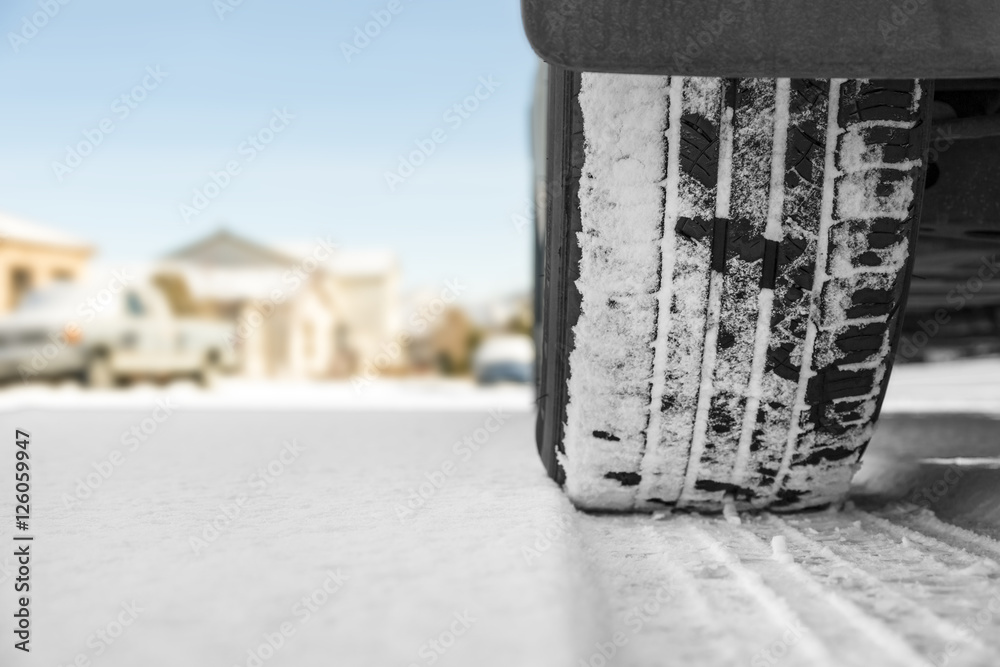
(493, 567)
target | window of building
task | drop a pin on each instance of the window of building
(134, 304)
(20, 284)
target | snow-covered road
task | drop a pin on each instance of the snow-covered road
(268, 532)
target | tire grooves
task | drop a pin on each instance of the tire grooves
(805, 157)
(774, 234)
(694, 484)
(753, 127)
(696, 206)
(853, 322)
(656, 451)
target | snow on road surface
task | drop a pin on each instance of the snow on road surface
(428, 534)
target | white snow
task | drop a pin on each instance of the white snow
(990, 463)
(242, 394)
(545, 584)
(762, 339)
(621, 195)
(729, 511)
(779, 550)
(16, 229)
(961, 386)
(665, 298)
(705, 393)
(776, 206)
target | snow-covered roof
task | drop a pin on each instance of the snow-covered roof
(227, 284)
(353, 263)
(16, 229)
(226, 249)
(362, 263)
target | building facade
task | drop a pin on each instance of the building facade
(33, 256)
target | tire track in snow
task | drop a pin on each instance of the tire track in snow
(947, 554)
(924, 522)
(889, 585)
(835, 623)
(750, 567)
(710, 619)
(867, 590)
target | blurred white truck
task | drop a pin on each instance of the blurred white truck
(109, 330)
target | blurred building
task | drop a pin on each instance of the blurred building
(32, 256)
(307, 310)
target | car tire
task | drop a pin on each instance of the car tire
(208, 374)
(726, 268)
(100, 372)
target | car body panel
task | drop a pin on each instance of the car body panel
(905, 39)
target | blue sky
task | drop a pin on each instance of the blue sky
(322, 174)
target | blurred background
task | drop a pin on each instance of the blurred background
(259, 192)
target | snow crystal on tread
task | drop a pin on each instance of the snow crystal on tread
(752, 152)
(667, 455)
(791, 309)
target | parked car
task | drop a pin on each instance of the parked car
(107, 331)
(508, 358)
(736, 195)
